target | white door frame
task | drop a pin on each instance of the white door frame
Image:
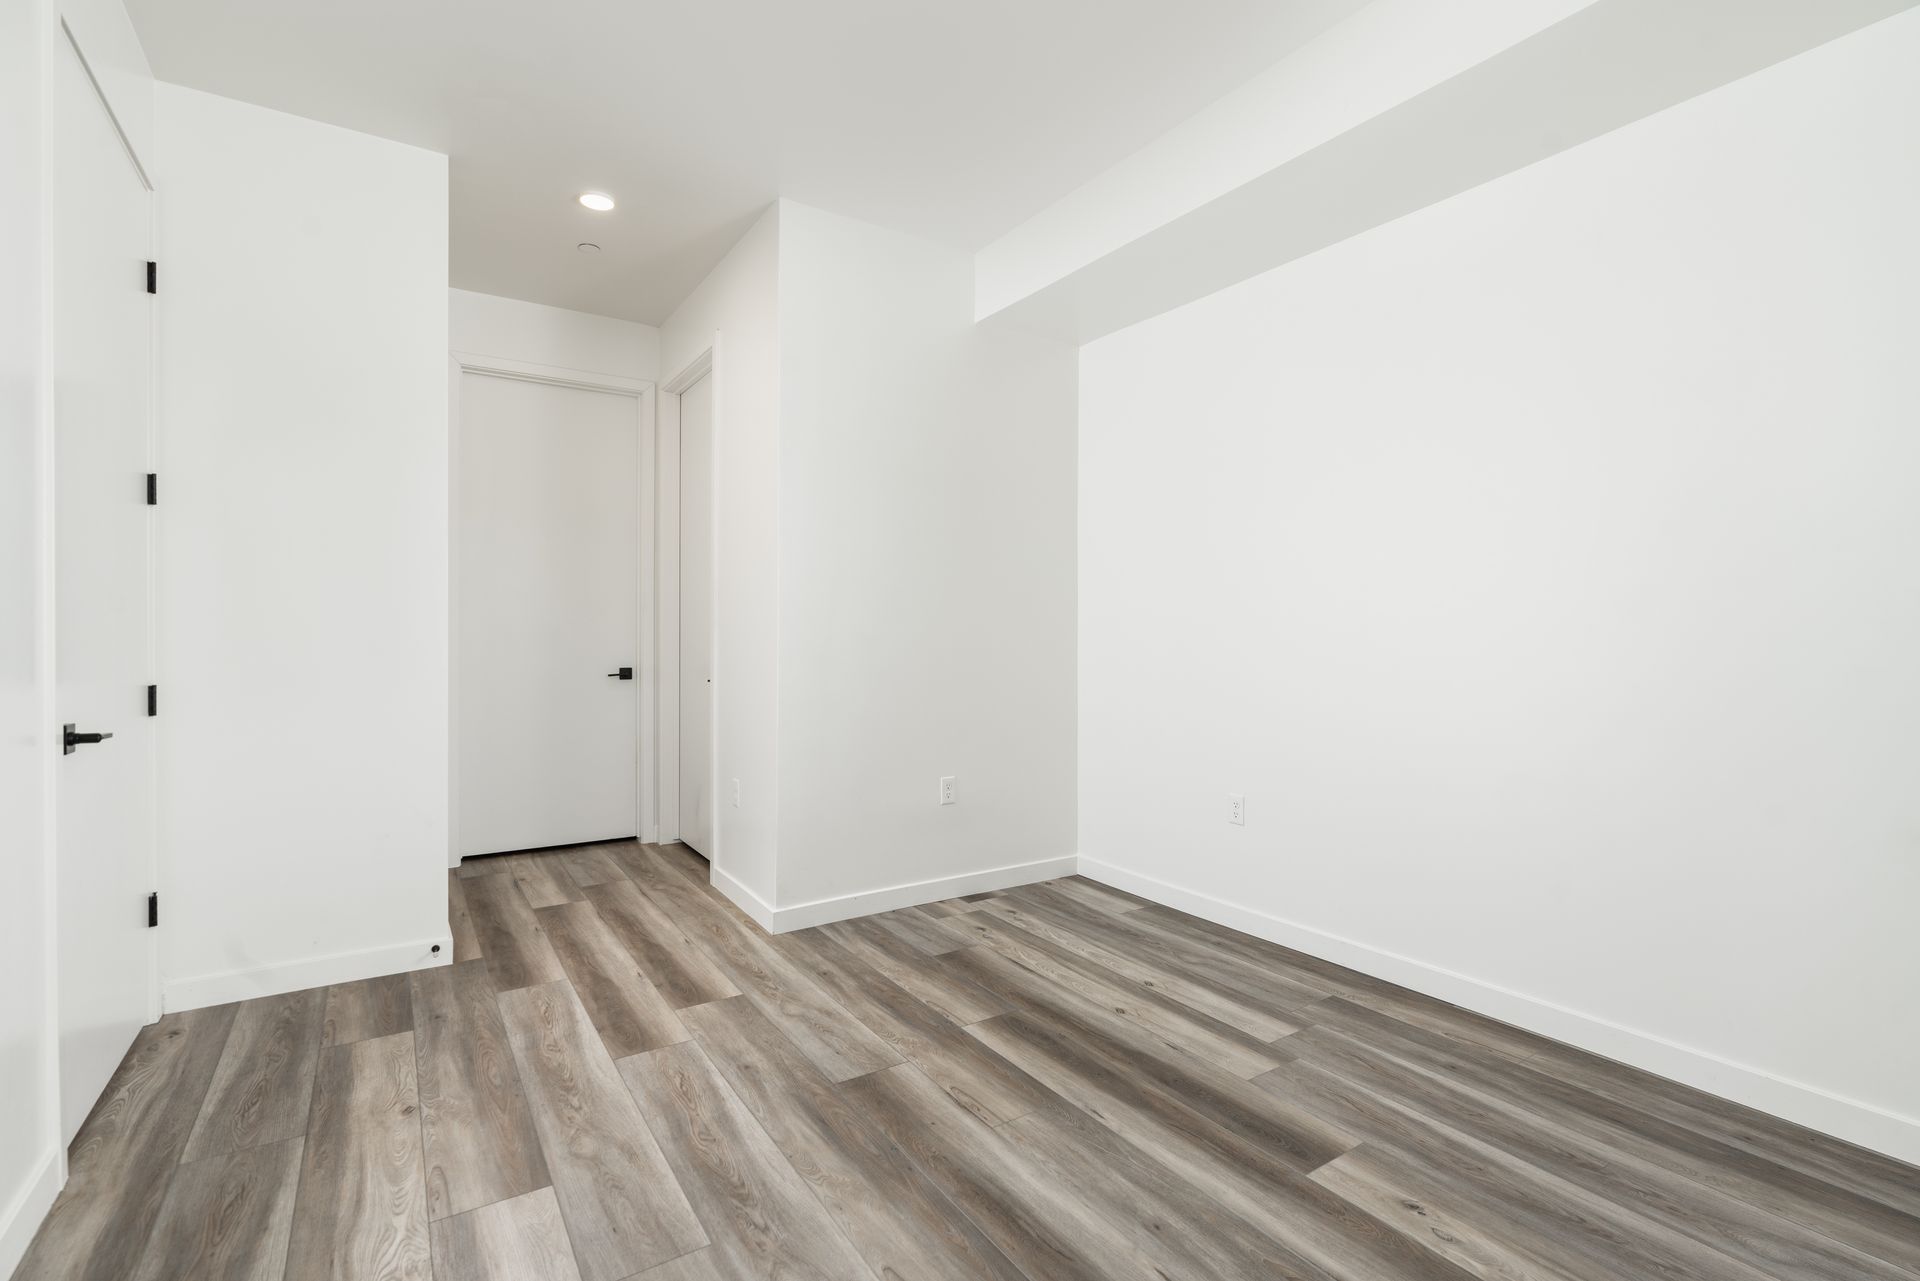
(649, 487)
(702, 365)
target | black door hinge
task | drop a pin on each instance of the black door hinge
(153, 489)
(153, 910)
(153, 277)
(153, 700)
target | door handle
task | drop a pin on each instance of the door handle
(71, 740)
(625, 674)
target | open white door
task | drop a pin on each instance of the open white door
(696, 616)
(547, 545)
(102, 338)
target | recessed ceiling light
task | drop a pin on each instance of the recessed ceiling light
(598, 201)
(587, 248)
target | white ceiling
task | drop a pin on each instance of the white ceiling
(952, 120)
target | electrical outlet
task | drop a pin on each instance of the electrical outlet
(736, 793)
(1236, 809)
(946, 790)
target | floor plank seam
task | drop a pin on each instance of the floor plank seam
(1055, 1082)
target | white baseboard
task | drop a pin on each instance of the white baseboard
(779, 920)
(1856, 1122)
(746, 900)
(298, 976)
(22, 1216)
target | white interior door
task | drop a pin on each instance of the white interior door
(696, 616)
(547, 605)
(102, 338)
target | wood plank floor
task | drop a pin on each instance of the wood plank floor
(621, 1076)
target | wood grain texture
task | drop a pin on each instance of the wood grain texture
(1889, 1233)
(1200, 1035)
(1313, 974)
(227, 1217)
(477, 1135)
(367, 1009)
(1770, 1244)
(841, 1047)
(264, 1083)
(1277, 990)
(1045, 1083)
(764, 1221)
(122, 1160)
(978, 1079)
(691, 866)
(922, 931)
(958, 1000)
(484, 865)
(543, 878)
(1100, 897)
(361, 1213)
(1158, 1213)
(466, 942)
(516, 949)
(628, 1010)
(1819, 1157)
(1109, 944)
(1043, 1226)
(1548, 1218)
(623, 1207)
(913, 1231)
(520, 1239)
(1144, 1097)
(667, 954)
(1477, 1242)
(701, 1265)
(593, 864)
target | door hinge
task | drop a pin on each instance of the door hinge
(153, 277)
(153, 700)
(153, 489)
(153, 910)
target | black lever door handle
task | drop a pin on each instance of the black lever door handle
(625, 674)
(71, 740)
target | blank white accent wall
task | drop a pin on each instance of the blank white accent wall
(1542, 569)
(303, 552)
(735, 310)
(926, 578)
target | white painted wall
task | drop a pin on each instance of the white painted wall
(104, 33)
(1376, 59)
(894, 573)
(30, 1156)
(926, 573)
(303, 551)
(735, 311)
(482, 324)
(1401, 106)
(1541, 567)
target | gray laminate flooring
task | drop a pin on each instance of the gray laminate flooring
(621, 1076)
